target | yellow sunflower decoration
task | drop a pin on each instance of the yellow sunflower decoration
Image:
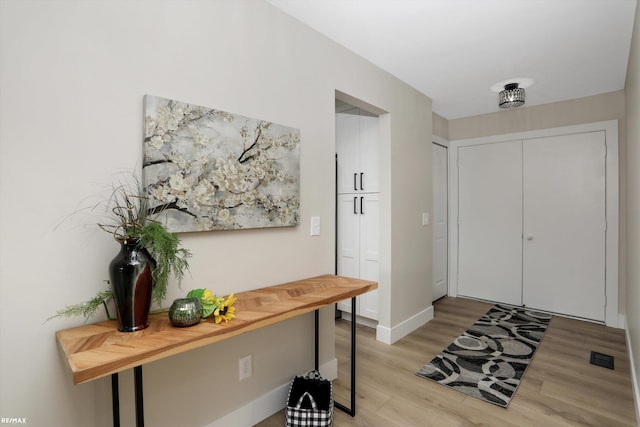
(226, 310)
(218, 307)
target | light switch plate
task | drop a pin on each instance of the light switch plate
(425, 218)
(315, 225)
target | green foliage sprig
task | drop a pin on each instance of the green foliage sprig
(87, 308)
(170, 257)
(129, 218)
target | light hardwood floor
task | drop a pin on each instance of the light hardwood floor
(560, 387)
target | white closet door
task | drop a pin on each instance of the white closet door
(440, 213)
(564, 224)
(490, 222)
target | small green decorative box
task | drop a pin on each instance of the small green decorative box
(185, 312)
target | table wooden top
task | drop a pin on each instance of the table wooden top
(99, 349)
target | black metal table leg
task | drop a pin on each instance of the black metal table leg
(317, 340)
(137, 372)
(352, 410)
(115, 400)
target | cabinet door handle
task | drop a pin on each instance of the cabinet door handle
(355, 209)
(361, 205)
(361, 186)
(355, 183)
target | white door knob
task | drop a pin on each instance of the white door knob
(529, 236)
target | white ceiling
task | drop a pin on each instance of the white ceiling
(454, 50)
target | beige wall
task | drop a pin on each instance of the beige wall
(72, 78)
(632, 161)
(440, 126)
(606, 106)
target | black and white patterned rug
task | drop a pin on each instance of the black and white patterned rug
(490, 358)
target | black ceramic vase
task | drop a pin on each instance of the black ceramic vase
(131, 278)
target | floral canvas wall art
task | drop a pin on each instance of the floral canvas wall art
(214, 170)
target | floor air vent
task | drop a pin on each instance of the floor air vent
(600, 359)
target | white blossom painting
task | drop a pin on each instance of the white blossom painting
(206, 169)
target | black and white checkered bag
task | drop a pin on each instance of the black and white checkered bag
(310, 401)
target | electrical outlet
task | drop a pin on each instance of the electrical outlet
(246, 367)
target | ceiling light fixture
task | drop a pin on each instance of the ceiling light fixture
(511, 96)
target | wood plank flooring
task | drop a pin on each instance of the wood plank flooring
(560, 388)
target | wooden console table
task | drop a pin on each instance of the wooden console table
(99, 349)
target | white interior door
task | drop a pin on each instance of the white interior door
(565, 224)
(440, 222)
(570, 267)
(490, 222)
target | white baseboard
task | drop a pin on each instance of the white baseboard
(402, 329)
(634, 375)
(622, 321)
(257, 410)
(268, 404)
(370, 323)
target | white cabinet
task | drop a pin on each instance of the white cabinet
(358, 200)
(358, 149)
(358, 246)
(532, 223)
